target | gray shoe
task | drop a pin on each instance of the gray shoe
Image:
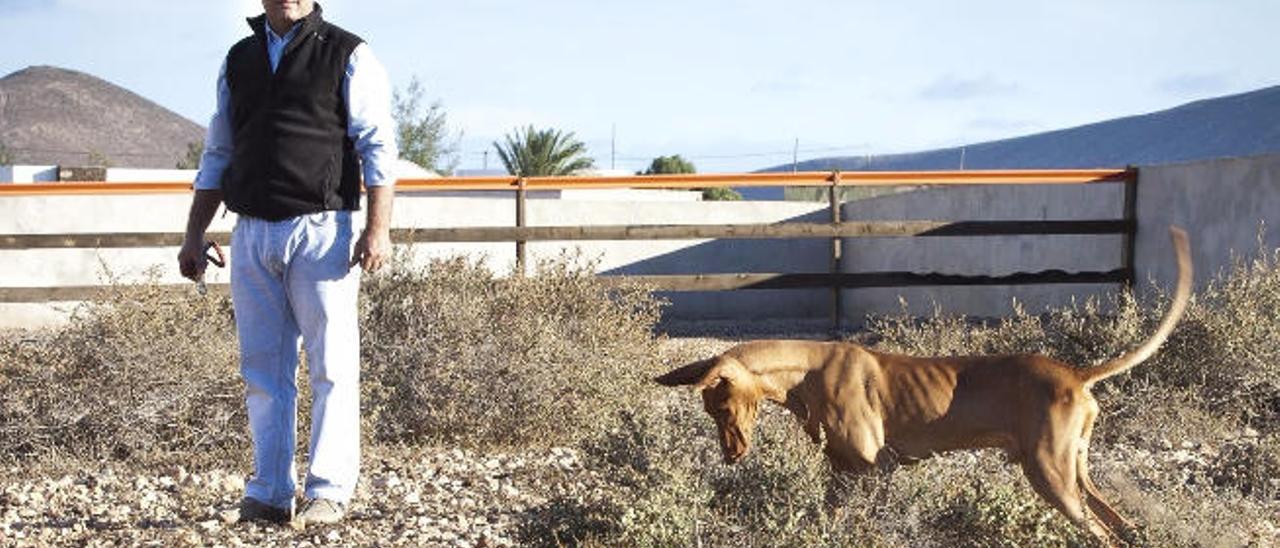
(252, 509)
(321, 512)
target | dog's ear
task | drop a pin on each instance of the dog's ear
(700, 373)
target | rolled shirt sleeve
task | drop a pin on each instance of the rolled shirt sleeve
(369, 122)
(217, 142)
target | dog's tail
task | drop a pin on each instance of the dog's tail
(1179, 305)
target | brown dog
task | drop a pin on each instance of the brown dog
(871, 404)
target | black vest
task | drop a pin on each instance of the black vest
(291, 154)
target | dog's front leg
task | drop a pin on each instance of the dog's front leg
(808, 421)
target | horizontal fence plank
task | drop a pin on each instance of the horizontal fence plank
(90, 292)
(845, 229)
(101, 240)
(723, 282)
(684, 282)
(635, 232)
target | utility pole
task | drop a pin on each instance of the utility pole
(795, 155)
(486, 159)
(613, 146)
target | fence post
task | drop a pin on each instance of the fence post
(1131, 225)
(520, 223)
(837, 307)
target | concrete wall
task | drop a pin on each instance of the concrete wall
(987, 255)
(1221, 203)
(651, 257)
(1224, 205)
(131, 175)
(28, 174)
(38, 174)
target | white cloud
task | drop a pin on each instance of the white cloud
(951, 87)
(1204, 83)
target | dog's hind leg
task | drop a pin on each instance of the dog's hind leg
(1059, 488)
(1109, 516)
(1051, 465)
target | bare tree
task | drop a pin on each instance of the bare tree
(422, 131)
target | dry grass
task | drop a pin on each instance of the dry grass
(455, 354)
(1188, 444)
(137, 374)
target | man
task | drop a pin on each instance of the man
(302, 106)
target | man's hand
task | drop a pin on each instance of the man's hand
(374, 246)
(372, 250)
(191, 259)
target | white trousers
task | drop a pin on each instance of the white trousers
(291, 279)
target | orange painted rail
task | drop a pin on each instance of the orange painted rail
(687, 181)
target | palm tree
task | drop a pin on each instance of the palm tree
(532, 153)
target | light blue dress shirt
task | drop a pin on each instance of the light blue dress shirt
(367, 91)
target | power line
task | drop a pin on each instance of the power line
(730, 156)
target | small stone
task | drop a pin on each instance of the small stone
(229, 516)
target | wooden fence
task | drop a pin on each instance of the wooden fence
(834, 230)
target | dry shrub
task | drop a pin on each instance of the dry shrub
(1002, 513)
(662, 484)
(138, 373)
(649, 493)
(1174, 507)
(1227, 349)
(1217, 375)
(1196, 481)
(456, 354)
(1079, 333)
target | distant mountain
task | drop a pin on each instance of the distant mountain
(54, 116)
(1234, 125)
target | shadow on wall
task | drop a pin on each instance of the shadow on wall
(985, 255)
(731, 256)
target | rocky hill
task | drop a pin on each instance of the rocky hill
(55, 116)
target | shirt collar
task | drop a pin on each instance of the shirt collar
(275, 39)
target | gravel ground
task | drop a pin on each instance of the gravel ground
(441, 497)
(420, 497)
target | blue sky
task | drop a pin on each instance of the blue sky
(730, 84)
